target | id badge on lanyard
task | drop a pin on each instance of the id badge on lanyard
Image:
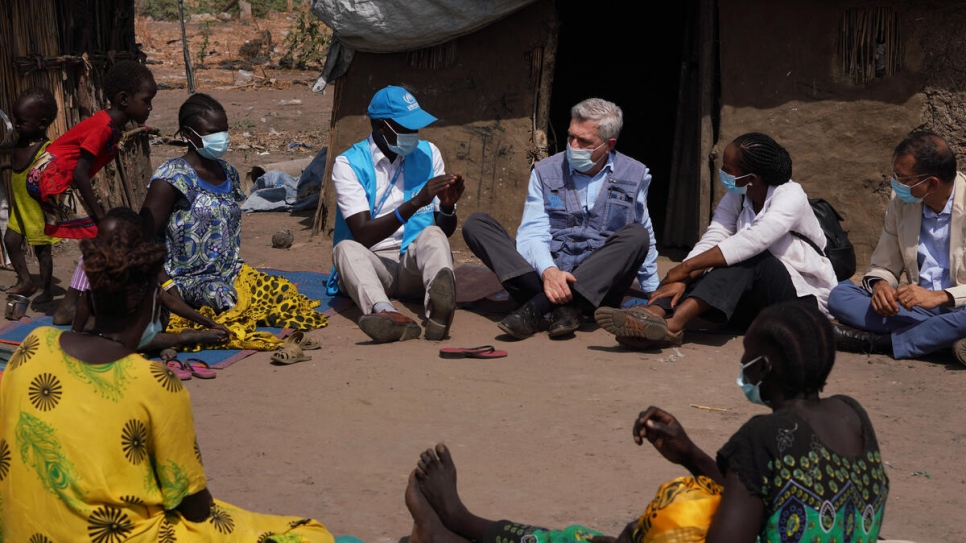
(385, 195)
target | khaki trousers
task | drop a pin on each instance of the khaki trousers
(370, 277)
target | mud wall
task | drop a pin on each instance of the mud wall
(484, 89)
(782, 74)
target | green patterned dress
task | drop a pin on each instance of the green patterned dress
(811, 494)
(105, 453)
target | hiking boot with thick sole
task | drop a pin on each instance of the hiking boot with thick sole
(634, 322)
(387, 326)
(442, 305)
(959, 351)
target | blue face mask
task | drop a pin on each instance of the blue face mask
(729, 181)
(752, 391)
(213, 146)
(905, 192)
(405, 143)
(154, 327)
(580, 159)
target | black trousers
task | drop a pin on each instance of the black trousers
(603, 278)
(737, 293)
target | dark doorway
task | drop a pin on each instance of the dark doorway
(622, 52)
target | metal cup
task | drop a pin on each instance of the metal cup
(16, 306)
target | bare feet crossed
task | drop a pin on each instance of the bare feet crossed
(427, 527)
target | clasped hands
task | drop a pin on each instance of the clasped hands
(447, 187)
(886, 300)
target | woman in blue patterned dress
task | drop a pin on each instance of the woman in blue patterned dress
(194, 204)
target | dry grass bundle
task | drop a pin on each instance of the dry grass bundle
(869, 44)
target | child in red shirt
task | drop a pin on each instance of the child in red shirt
(81, 152)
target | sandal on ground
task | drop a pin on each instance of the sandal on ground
(179, 368)
(483, 351)
(200, 369)
(305, 343)
(288, 353)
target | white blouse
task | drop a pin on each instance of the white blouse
(741, 234)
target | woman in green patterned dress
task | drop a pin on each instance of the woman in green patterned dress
(810, 471)
(97, 443)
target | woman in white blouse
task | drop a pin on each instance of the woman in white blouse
(752, 255)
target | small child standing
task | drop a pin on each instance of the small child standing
(33, 112)
(76, 156)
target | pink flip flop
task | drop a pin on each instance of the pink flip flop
(200, 369)
(483, 351)
(179, 369)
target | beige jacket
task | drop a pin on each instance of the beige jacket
(898, 247)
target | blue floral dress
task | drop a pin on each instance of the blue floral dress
(203, 234)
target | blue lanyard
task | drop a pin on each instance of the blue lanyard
(385, 195)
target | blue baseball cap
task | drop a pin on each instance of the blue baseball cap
(398, 104)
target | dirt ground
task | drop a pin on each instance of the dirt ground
(541, 436)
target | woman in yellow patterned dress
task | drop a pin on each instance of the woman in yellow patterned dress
(98, 443)
(193, 203)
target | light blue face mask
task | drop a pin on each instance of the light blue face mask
(905, 192)
(213, 146)
(752, 391)
(154, 327)
(729, 181)
(405, 143)
(580, 159)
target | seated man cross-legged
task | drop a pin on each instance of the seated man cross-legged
(396, 209)
(922, 237)
(585, 232)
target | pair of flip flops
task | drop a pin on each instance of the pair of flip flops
(190, 367)
(291, 350)
(483, 351)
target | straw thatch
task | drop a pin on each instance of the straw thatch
(67, 46)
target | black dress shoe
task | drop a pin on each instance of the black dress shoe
(524, 322)
(854, 340)
(564, 320)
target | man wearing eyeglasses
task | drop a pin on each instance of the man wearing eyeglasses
(923, 238)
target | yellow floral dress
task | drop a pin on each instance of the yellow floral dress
(106, 453)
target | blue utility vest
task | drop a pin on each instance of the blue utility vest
(417, 170)
(575, 231)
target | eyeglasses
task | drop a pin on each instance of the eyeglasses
(900, 179)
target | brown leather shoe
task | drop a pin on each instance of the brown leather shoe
(386, 326)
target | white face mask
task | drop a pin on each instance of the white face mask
(405, 143)
(154, 327)
(580, 159)
(213, 146)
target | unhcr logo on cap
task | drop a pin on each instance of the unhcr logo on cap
(411, 101)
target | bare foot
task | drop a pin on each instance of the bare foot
(427, 528)
(436, 474)
(191, 337)
(24, 289)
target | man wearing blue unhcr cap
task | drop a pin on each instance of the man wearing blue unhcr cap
(396, 209)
